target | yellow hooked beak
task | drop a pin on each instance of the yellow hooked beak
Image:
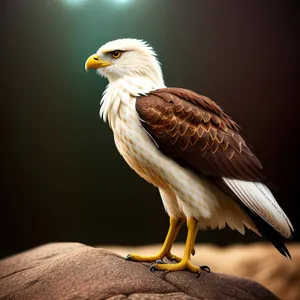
(94, 62)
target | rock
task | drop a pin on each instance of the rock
(260, 262)
(76, 271)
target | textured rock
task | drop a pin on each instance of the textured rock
(76, 271)
(260, 262)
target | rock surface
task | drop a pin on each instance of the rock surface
(260, 262)
(76, 271)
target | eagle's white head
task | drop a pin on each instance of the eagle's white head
(125, 58)
(132, 69)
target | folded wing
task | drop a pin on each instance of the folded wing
(194, 131)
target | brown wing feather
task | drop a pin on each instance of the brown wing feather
(194, 130)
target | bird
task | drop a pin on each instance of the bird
(184, 144)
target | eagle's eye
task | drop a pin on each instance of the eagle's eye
(116, 54)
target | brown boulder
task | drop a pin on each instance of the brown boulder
(260, 262)
(76, 271)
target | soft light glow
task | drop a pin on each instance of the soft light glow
(74, 2)
(121, 1)
(77, 3)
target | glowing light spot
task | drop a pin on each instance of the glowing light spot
(74, 2)
(123, 1)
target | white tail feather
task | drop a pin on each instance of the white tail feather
(258, 197)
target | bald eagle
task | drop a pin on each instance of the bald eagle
(189, 148)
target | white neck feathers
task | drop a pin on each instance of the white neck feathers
(124, 91)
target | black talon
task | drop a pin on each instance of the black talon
(128, 257)
(205, 268)
(159, 261)
(152, 268)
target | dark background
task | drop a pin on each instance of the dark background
(62, 178)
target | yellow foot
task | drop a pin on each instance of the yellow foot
(182, 265)
(153, 258)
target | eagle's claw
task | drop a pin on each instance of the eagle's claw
(128, 257)
(159, 261)
(205, 268)
(152, 268)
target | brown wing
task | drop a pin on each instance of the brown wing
(194, 131)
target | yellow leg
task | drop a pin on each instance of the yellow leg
(185, 262)
(175, 225)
